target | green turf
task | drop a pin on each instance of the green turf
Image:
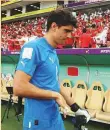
(12, 124)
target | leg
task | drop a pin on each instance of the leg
(9, 106)
(19, 110)
(15, 112)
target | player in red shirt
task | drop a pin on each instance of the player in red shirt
(85, 40)
(10, 45)
(17, 46)
(68, 42)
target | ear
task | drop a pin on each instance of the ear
(54, 26)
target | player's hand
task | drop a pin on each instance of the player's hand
(85, 113)
(78, 111)
(62, 103)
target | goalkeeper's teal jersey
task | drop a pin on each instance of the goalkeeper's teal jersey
(39, 60)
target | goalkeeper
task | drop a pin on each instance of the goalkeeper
(37, 75)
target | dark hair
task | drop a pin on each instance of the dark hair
(14, 36)
(61, 18)
(93, 25)
(29, 32)
(84, 30)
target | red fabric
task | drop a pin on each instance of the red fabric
(85, 40)
(69, 41)
(39, 21)
(17, 46)
(94, 33)
(72, 71)
(100, 29)
(11, 45)
(93, 43)
(39, 29)
(60, 46)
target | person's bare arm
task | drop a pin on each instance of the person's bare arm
(74, 106)
(68, 99)
(22, 87)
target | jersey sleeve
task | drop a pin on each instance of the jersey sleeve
(29, 60)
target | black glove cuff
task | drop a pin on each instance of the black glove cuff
(74, 107)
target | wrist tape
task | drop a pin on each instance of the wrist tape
(74, 107)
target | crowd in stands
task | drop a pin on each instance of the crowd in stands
(15, 34)
(93, 31)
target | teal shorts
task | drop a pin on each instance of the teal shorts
(46, 125)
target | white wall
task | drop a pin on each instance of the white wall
(65, 1)
(24, 9)
(8, 12)
(47, 4)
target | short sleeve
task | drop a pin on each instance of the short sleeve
(29, 59)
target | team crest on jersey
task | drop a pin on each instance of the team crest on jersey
(27, 53)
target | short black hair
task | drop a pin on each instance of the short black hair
(29, 32)
(84, 30)
(93, 26)
(61, 18)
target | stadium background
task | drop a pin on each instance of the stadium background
(25, 20)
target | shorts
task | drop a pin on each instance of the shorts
(46, 125)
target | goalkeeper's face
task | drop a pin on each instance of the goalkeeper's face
(61, 33)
